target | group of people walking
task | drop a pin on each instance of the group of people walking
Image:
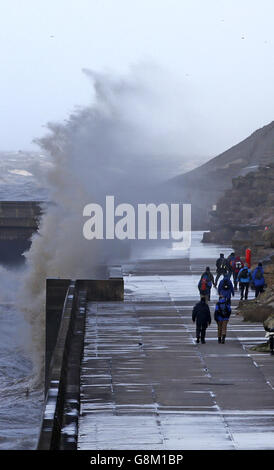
(201, 315)
(230, 267)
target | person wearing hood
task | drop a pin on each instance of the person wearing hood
(258, 279)
(244, 278)
(237, 265)
(205, 284)
(201, 315)
(221, 316)
(221, 267)
(226, 289)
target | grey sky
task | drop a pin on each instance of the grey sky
(220, 50)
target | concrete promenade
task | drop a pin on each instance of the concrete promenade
(146, 384)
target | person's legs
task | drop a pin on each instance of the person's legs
(224, 328)
(203, 333)
(258, 290)
(205, 295)
(242, 286)
(219, 324)
(235, 280)
(246, 290)
(271, 345)
(198, 332)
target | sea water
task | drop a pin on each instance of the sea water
(20, 401)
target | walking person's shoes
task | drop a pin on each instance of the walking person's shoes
(203, 341)
(223, 339)
(197, 340)
(219, 339)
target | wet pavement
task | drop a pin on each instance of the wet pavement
(146, 384)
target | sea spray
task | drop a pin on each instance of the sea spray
(20, 399)
(118, 146)
(14, 333)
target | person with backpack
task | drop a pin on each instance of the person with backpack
(258, 279)
(244, 278)
(237, 265)
(221, 267)
(201, 315)
(225, 288)
(205, 284)
(230, 260)
(221, 316)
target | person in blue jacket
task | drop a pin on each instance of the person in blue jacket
(226, 289)
(258, 279)
(221, 316)
(244, 278)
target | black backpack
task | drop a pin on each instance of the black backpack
(223, 309)
(259, 274)
(225, 285)
(244, 273)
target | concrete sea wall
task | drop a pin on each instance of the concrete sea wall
(18, 222)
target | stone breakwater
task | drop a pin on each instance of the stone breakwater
(19, 220)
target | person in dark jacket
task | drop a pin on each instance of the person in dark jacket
(244, 278)
(205, 284)
(221, 267)
(201, 315)
(226, 289)
(221, 316)
(258, 279)
(230, 260)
